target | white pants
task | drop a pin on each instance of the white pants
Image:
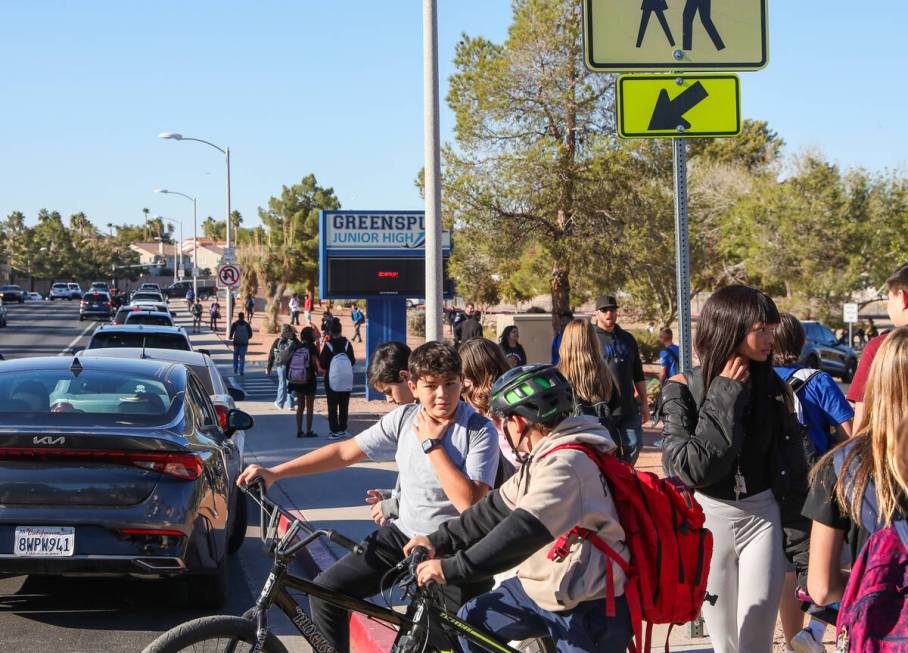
(746, 574)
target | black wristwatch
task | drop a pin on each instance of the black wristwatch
(430, 444)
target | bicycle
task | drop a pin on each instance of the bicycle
(413, 627)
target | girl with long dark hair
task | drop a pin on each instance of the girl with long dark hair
(731, 434)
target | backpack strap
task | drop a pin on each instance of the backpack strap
(800, 378)
(561, 548)
(869, 509)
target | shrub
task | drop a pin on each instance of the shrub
(648, 343)
(416, 323)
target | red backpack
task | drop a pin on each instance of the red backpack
(670, 550)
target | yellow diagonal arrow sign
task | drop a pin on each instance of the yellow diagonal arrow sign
(678, 106)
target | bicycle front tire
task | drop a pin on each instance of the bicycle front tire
(209, 634)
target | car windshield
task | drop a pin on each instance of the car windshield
(138, 317)
(89, 398)
(111, 339)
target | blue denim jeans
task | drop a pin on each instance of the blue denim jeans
(631, 431)
(510, 614)
(239, 358)
(283, 394)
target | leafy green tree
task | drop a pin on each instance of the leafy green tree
(289, 253)
(531, 122)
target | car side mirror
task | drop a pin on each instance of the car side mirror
(205, 352)
(238, 420)
(2, 358)
(236, 393)
(77, 349)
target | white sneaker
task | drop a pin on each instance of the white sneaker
(278, 406)
(335, 436)
(804, 642)
(344, 434)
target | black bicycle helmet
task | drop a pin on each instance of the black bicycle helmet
(537, 392)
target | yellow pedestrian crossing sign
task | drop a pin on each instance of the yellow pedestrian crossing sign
(678, 106)
(675, 35)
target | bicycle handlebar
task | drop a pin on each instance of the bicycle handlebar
(258, 492)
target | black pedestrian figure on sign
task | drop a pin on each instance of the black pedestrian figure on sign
(691, 7)
(650, 7)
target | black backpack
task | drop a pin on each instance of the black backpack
(603, 413)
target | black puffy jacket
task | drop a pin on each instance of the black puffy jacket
(704, 434)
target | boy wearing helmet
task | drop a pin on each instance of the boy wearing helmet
(515, 526)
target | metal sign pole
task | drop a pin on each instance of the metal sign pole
(432, 171)
(682, 257)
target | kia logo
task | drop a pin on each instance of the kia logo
(49, 439)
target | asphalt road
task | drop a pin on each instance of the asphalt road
(43, 329)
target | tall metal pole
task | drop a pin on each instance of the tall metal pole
(182, 267)
(195, 253)
(682, 258)
(227, 246)
(432, 170)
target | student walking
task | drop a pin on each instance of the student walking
(358, 321)
(669, 366)
(622, 357)
(214, 313)
(823, 410)
(337, 360)
(307, 307)
(197, 316)
(564, 318)
(190, 296)
(858, 496)
(294, 306)
(510, 345)
(249, 305)
(731, 434)
(302, 370)
(425, 439)
(279, 356)
(240, 334)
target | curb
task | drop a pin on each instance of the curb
(366, 635)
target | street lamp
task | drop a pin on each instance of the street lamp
(195, 239)
(174, 136)
(161, 217)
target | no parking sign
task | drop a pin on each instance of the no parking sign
(229, 275)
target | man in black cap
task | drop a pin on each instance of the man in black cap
(622, 356)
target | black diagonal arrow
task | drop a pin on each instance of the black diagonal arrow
(669, 114)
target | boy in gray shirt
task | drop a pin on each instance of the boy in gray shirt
(447, 457)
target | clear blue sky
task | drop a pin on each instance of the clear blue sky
(335, 88)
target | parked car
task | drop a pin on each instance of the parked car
(59, 291)
(153, 287)
(100, 285)
(153, 318)
(95, 304)
(139, 335)
(33, 297)
(116, 467)
(822, 351)
(207, 290)
(75, 291)
(12, 294)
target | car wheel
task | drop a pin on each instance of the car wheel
(849, 371)
(209, 591)
(240, 521)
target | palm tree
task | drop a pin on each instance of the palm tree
(146, 212)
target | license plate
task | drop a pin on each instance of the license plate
(44, 541)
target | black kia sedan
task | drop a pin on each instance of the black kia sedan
(117, 467)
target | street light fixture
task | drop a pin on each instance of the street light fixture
(161, 217)
(175, 136)
(195, 239)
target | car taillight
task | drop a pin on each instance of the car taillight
(83, 303)
(222, 415)
(110, 303)
(185, 466)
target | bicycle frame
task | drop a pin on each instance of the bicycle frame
(275, 592)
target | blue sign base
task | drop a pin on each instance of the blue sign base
(386, 319)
